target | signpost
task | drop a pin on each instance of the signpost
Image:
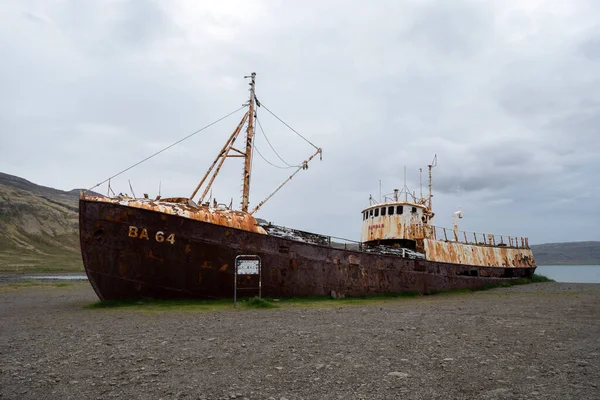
(246, 265)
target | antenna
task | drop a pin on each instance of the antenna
(380, 190)
(421, 182)
(430, 166)
(405, 188)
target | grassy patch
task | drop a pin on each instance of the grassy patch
(40, 269)
(540, 278)
(258, 302)
(254, 302)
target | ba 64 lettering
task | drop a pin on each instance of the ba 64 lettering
(159, 237)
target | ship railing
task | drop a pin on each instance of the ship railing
(343, 243)
(314, 238)
(480, 239)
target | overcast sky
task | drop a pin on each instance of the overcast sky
(506, 93)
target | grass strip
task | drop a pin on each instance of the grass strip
(270, 303)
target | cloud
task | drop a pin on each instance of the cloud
(505, 93)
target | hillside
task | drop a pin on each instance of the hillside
(584, 253)
(38, 225)
(39, 228)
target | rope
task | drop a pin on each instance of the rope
(167, 148)
(264, 134)
(283, 122)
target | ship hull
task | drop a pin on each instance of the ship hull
(132, 253)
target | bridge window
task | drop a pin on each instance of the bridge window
(371, 213)
(414, 210)
(377, 212)
(391, 210)
(382, 211)
(399, 210)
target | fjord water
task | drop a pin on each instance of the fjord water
(571, 273)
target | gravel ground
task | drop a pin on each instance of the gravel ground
(527, 342)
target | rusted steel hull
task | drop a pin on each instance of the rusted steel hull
(460, 253)
(129, 253)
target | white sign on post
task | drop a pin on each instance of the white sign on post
(248, 267)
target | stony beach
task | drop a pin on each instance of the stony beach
(537, 341)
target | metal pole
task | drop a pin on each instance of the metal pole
(259, 277)
(405, 188)
(235, 282)
(421, 182)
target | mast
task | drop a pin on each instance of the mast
(229, 151)
(248, 153)
(430, 166)
(430, 195)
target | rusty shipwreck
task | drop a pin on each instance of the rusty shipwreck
(180, 248)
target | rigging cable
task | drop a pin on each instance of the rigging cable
(283, 122)
(269, 162)
(270, 145)
(168, 147)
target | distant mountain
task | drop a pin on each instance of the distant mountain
(570, 253)
(38, 225)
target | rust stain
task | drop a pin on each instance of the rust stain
(206, 264)
(477, 255)
(122, 269)
(186, 208)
